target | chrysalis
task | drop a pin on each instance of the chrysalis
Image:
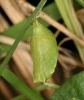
(44, 52)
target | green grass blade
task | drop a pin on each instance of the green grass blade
(4, 48)
(15, 29)
(20, 97)
(38, 89)
(20, 35)
(81, 2)
(68, 14)
(18, 84)
(47, 9)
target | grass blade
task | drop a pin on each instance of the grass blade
(68, 14)
(81, 2)
(20, 35)
(20, 97)
(18, 84)
(38, 89)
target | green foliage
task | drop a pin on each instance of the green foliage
(15, 29)
(4, 48)
(77, 98)
(44, 52)
(81, 2)
(13, 32)
(18, 84)
(20, 35)
(71, 88)
(70, 19)
(37, 89)
(44, 56)
(20, 97)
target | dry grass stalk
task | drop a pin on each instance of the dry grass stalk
(26, 7)
(5, 90)
(57, 33)
(67, 74)
(62, 29)
(71, 61)
(68, 57)
(54, 23)
(23, 68)
(77, 23)
(66, 69)
(12, 10)
(48, 92)
(66, 52)
(10, 41)
(63, 41)
(80, 15)
(1, 28)
(63, 64)
(3, 23)
(13, 68)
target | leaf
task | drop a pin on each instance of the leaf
(4, 48)
(20, 35)
(14, 30)
(19, 85)
(49, 11)
(71, 88)
(81, 2)
(70, 19)
(44, 52)
(50, 8)
(77, 98)
(20, 97)
(36, 89)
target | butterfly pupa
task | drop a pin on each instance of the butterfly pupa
(44, 51)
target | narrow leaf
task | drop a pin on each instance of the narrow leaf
(20, 97)
(18, 84)
(81, 2)
(68, 14)
(20, 35)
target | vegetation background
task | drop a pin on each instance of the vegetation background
(13, 15)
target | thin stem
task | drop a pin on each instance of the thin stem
(51, 85)
(38, 89)
(20, 35)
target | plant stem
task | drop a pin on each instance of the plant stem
(51, 85)
(38, 89)
(20, 35)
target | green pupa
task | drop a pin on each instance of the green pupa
(44, 51)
